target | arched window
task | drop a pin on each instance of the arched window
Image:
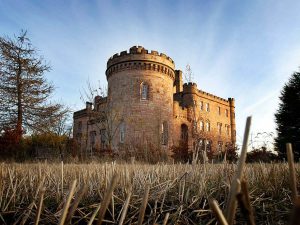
(144, 91)
(122, 132)
(164, 133)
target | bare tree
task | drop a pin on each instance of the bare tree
(24, 91)
(104, 115)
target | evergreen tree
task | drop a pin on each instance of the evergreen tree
(24, 91)
(287, 117)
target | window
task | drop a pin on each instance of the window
(207, 107)
(207, 126)
(208, 144)
(195, 126)
(219, 110)
(195, 103)
(122, 132)
(220, 146)
(164, 133)
(227, 129)
(201, 105)
(228, 145)
(219, 128)
(201, 126)
(200, 144)
(226, 112)
(144, 91)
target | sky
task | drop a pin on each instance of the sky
(241, 49)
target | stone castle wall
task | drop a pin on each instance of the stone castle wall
(169, 101)
(126, 73)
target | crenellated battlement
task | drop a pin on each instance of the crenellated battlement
(147, 93)
(139, 53)
(190, 84)
(213, 96)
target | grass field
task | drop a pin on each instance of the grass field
(178, 191)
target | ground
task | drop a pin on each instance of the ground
(182, 190)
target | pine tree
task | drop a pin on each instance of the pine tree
(24, 92)
(287, 117)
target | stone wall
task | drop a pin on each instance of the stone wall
(143, 117)
(169, 101)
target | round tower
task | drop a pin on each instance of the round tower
(232, 120)
(140, 93)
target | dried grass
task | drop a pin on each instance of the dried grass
(182, 190)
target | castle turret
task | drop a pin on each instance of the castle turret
(232, 119)
(140, 85)
(178, 81)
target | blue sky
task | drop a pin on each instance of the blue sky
(241, 49)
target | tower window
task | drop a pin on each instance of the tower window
(164, 133)
(219, 110)
(144, 91)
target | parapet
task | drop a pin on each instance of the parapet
(216, 98)
(190, 88)
(139, 53)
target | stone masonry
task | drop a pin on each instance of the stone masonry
(148, 103)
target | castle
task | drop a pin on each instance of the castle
(148, 103)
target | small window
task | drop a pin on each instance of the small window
(122, 132)
(220, 146)
(219, 128)
(226, 112)
(195, 126)
(201, 126)
(207, 126)
(144, 91)
(208, 144)
(201, 105)
(164, 133)
(195, 103)
(219, 110)
(207, 107)
(201, 144)
(227, 129)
